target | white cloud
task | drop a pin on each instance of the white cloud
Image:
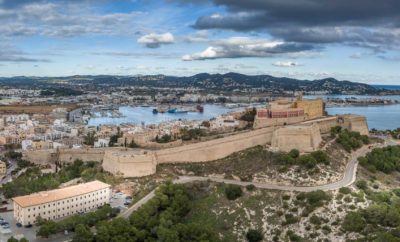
(237, 47)
(156, 40)
(198, 37)
(286, 64)
(65, 20)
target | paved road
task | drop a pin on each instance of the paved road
(348, 178)
(138, 204)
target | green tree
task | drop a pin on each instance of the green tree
(82, 234)
(294, 153)
(254, 235)
(353, 222)
(233, 192)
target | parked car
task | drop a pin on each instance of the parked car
(19, 225)
(28, 226)
(6, 226)
(4, 223)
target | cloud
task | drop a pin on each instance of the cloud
(238, 47)
(365, 23)
(199, 37)
(64, 19)
(10, 54)
(156, 40)
(286, 64)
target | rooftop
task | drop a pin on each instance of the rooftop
(59, 194)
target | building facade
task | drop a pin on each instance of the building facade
(63, 202)
(3, 168)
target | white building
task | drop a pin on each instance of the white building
(101, 143)
(63, 202)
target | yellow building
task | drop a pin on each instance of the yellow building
(3, 168)
(312, 108)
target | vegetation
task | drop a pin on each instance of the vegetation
(233, 191)
(32, 180)
(160, 219)
(385, 159)
(249, 115)
(190, 134)
(254, 235)
(350, 140)
(312, 200)
(379, 221)
(13, 155)
(163, 139)
(90, 138)
(12, 239)
(308, 160)
(114, 138)
(75, 223)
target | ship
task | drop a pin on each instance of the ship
(200, 108)
(172, 110)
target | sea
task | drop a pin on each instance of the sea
(388, 87)
(144, 115)
(381, 117)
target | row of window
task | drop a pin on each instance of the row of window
(63, 202)
(65, 214)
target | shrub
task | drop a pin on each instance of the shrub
(315, 220)
(294, 153)
(290, 219)
(254, 235)
(320, 156)
(353, 222)
(233, 192)
(308, 161)
(362, 184)
(345, 190)
(250, 187)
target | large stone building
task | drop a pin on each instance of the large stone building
(284, 112)
(63, 202)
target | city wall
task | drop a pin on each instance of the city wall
(141, 162)
(305, 138)
(215, 149)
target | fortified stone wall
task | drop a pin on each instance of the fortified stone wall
(356, 123)
(305, 138)
(88, 154)
(129, 163)
(215, 149)
(40, 157)
(134, 163)
(270, 122)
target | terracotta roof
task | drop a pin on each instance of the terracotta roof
(59, 194)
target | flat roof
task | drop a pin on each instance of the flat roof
(59, 194)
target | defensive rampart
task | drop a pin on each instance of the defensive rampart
(141, 162)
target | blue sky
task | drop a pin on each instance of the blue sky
(356, 40)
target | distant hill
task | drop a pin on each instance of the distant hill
(215, 82)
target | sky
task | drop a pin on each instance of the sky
(356, 40)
